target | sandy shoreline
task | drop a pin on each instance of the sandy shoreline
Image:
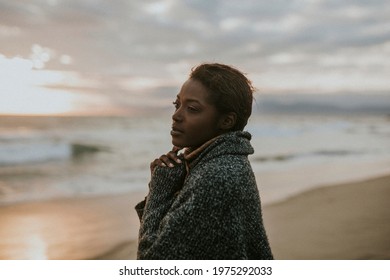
(81, 228)
(346, 221)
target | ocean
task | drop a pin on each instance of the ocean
(296, 150)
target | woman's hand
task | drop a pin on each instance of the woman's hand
(168, 160)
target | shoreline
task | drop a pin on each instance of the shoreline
(346, 221)
(340, 221)
(71, 228)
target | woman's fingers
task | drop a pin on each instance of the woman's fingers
(155, 163)
(167, 160)
(173, 155)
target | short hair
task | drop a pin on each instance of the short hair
(230, 90)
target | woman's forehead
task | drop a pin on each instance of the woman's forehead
(194, 91)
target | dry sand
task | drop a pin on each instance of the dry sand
(348, 221)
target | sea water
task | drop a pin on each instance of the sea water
(53, 157)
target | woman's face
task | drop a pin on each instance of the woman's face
(195, 120)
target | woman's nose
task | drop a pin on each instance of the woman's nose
(177, 116)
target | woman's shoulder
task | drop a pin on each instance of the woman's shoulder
(228, 162)
(224, 170)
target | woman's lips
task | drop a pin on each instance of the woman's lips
(176, 132)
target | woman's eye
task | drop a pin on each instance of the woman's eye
(192, 109)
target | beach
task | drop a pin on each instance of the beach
(344, 221)
(79, 228)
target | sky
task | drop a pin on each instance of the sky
(121, 56)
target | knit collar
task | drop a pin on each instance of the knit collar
(236, 142)
(190, 153)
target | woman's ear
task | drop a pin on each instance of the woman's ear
(228, 121)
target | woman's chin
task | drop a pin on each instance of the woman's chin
(177, 143)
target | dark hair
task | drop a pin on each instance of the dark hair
(230, 90)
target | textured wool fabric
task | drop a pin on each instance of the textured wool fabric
(213, 212)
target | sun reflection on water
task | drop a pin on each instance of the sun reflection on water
(35, 248)
(24, 237)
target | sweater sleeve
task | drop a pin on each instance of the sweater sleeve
(164, 184)
(196, 226)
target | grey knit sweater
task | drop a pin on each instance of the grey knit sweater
(211, 211)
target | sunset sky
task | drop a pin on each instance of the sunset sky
(120, 56)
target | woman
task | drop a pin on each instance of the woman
(204, 204)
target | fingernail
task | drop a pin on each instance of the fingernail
(178, 160)
(171, 165)
(163, 164)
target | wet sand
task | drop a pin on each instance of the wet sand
(69, 228)
(346, 221)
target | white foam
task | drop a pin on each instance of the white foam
(33, 150)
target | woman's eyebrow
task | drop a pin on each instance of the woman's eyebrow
(189, 99)
(193, 100)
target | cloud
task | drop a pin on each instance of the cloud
(282, 44)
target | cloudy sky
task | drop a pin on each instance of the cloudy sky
(103, 56)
